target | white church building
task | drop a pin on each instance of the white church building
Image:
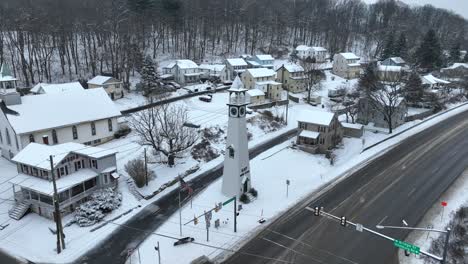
(83, 116)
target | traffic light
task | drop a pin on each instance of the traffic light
(317, 211)
(195, 220)
(343, 221)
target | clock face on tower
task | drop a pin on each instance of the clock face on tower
(233, 111)
(242, 111)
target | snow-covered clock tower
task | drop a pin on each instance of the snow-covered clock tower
(236, 173)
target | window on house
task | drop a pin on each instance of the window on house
(54, 136)
(75, 132)
(17, 145)
(77, 190)
(90, 183)
(109, 124)
(93, 128)
(322, 141)
(7, 134)
(302, 125)
(31, 138)
(94, 164)
(35, 172)
(1, 137)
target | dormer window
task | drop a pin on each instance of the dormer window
(31, 138)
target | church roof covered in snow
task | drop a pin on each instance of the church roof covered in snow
(46, 111)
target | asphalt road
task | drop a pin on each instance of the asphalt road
(401, 184)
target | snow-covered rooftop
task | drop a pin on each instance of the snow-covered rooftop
(302, 48)
(237, 85)
(309, 134)
(261, 72)
(319, 49)
(389, 68)
(45, 111)
(57, 87)
(186, 64)
(354, 126)
(5, 74)
(397, 60)
(46, 187)
(268, 82)
(357, 64)
(316, 117)
(99, 80)
(293, 67)
(349, 56)
(431, 79)
(255, 92)
(237, 62)
(264, 57)
(213, 67)
(37, 155)
(456, 65)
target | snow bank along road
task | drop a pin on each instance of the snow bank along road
(401, 184)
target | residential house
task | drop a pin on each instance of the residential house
(7, 81)
(263, 60)
(79, 171)
(42, 88)
(214, 71)
(292, 77)
(372, 113)
(265, 80)
(387, 73)
(455, 72)
(87, 117)
(352, 130)
(235, 67)
(113, 87)
(431, 82)
(255, 96)
(394, 61)
(317, 53)
(346, 65)
(184, 71)
(319, 131)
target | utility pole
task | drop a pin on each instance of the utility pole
(287, 107)
(146, 169)
(235, 214)
(158, 249)
(58, 218)
(180, 217)
(359, 227)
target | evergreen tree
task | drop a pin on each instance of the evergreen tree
(389, 48)
(429, 53)
(293, 56)
(466, 58)
(413, 89)
(455, 52)
(149, 76)
(401, 48)
(368, 82)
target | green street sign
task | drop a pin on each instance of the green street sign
(228, 201)
(406, 246)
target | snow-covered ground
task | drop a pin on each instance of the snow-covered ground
(269, 173)
(438, 217)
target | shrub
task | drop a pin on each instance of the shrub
(204, 151)
(136, 169)
(123, 131)
(244, 198)
(101, 203)
(253, 192)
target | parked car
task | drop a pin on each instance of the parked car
(206, 98)
(184, 240)
(227, 82)
(176, 85)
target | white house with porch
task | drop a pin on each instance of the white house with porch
(184, 71)
(79, 171)
(113, 87)
(214, 71)
(88, 117)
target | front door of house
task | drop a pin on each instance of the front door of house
(246, 185)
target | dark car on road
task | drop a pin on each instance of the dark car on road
(184, 240)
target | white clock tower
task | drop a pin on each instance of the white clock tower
(236, 173)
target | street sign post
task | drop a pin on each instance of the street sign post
(406, 246)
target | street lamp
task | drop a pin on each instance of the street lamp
(446, 232)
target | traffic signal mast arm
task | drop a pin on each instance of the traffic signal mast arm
(339, 219)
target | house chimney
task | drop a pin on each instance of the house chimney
(45, 139)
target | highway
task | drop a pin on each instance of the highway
(402, 184)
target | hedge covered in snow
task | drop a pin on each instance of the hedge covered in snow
(101, 203)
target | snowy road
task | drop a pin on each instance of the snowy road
(401, 184)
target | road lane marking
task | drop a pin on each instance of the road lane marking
(411, 192)
(383, 219)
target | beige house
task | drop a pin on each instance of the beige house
(265, 80)
(112, 86)
(255, 96)
(293, 78)
(346, 65)
(319, 131)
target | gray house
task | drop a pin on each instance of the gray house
(394, 61)
(319, 131)
(372, 113)
(79, 171)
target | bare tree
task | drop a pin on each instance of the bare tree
(163, 128)
(351, 105)
(313, 76)
(386, 101)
